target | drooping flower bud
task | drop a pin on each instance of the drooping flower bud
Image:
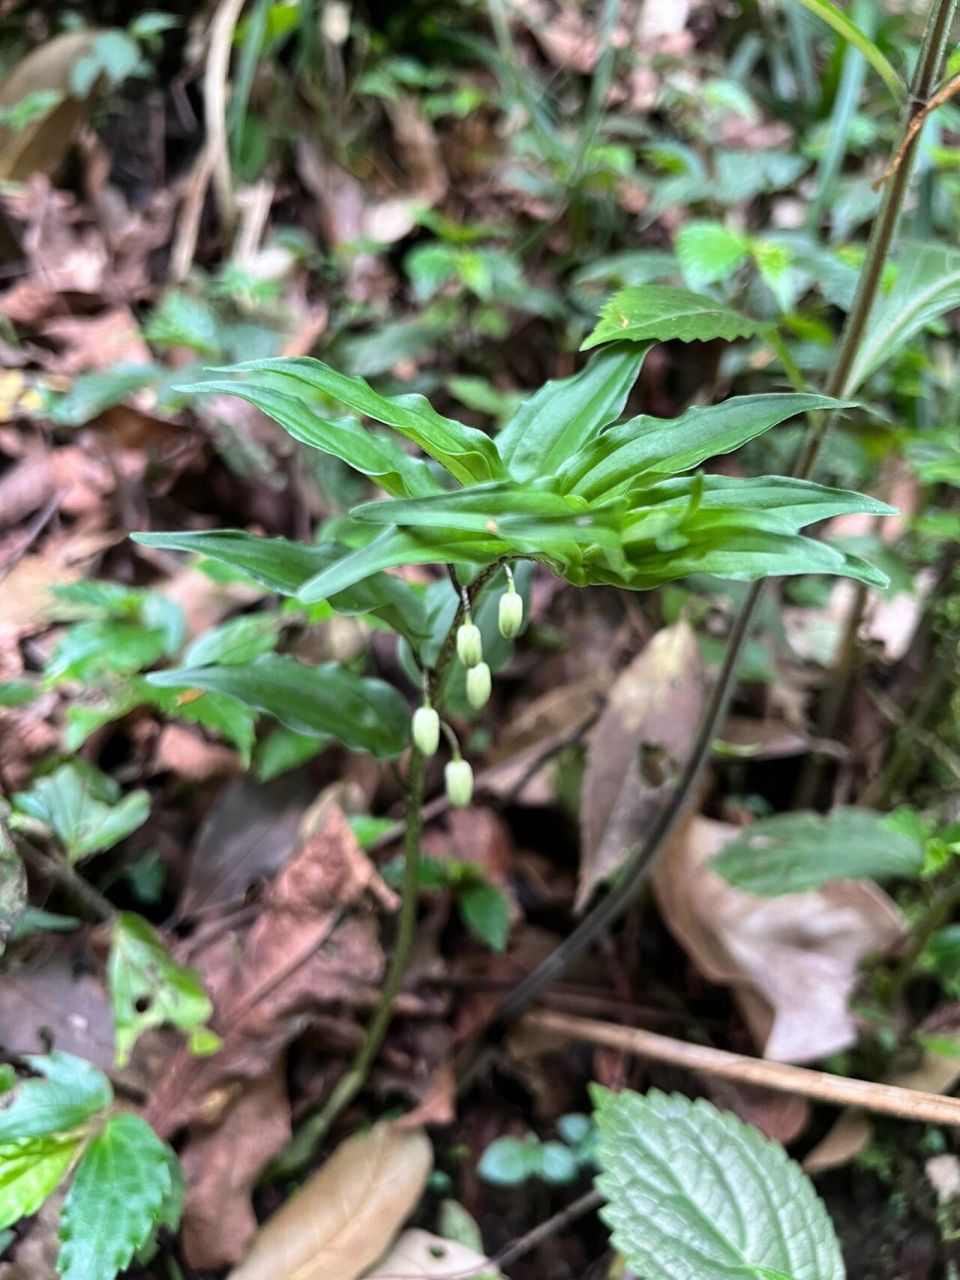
(510, 615)
(426, 730)
(469, 644)
(458, 781)
(478, 686)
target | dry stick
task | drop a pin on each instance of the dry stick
(547, 1230)
(943, 95)
(215, 77)
(841, 1091)
(640, 859)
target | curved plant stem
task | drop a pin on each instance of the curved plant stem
(640, 859)
(314, 1129)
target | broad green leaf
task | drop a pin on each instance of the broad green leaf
(92, 393)
(395, 547)
(838, 20)
(125, 1183)
(372, 455)
(13, 886)
(708, 252)
(795, 852)
(468, 454)
(148, 988)
(662, 446)
(510, 1161)
(564, 414)
(484, 910)
(286, 567)
(693, 1193)
(328, 701)
(30, 1171)
(239, 640)
(70, 1091)
(83, 808)
(283, 750)
(661, 313)
(927, 285)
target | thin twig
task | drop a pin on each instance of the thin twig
(547, 1230)
(215, 77)
(943, 95)
(840, 1091)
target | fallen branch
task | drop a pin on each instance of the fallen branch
(841, 1091)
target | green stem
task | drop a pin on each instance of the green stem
(312, 1132)
(940, 907)
(640, 859)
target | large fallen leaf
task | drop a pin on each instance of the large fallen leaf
(344, 1216)
(645, 731)
(418, 1255)
(792, 960)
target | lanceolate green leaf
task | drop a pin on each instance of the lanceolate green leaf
(125, 1183)
(286, 567)
(564, 414)
(647, 445)
(795, 852)
(30, 1171)
(71, 1091)
(373, 455)
(927, 285)
(399, 546)
(837, 19)
(693, 1193)
(328, 701)
(468, 454)
(660, 313)
(789, 504)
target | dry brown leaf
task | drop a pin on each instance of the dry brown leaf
(645, 731)
(419, 1255)
(345, 1215)
(221, 1167)
(187, 753)
(791, 960)
(56, 1005)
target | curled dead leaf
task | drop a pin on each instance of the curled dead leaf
(791, 960)
(645, 731)
(418, 1255)
(346, 1214)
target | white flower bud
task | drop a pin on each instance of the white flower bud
(478, 686)
(510, 616)
(458, 780)
(426, 730)
(469, 644)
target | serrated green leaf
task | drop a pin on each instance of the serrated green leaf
(329, 700)
(125, 1183)
(372, 455)
(83, 808)
(663, 446)
(469, 455)
(693, 1193)
(70, 1091)
(30, 1171)
(662, 313)
(566, 413)
(796, 852)
(927, 285)
(148, 988)
(828, 12)
(708, 252)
